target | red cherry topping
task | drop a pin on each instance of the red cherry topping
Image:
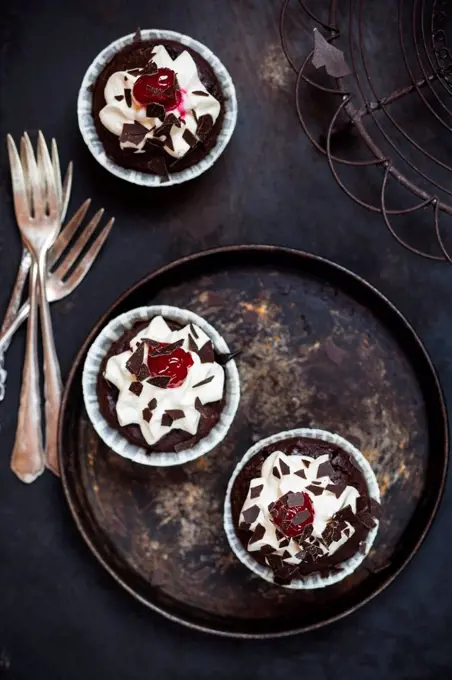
(292, 513)
(158, 88)
(174, 366)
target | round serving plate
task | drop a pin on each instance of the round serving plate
(320, 348)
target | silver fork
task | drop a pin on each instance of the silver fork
(25, 262)
(38, 212)
(60, 281)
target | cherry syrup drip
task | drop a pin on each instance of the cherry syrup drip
(289, 518)
(174, 366)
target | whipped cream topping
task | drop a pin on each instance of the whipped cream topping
(282, 474)
(134, 407)
(195, 103)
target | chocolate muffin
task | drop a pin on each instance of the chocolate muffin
(158, 107)
(302, 506)
(162, 385)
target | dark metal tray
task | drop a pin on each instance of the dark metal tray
(321, 348)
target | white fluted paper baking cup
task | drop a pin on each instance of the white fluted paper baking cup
(315, 580)
(88, 128)
(113, 438)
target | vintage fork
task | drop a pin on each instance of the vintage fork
(25, 261)
(38, 212)
(60, 280)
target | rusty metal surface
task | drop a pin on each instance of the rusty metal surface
(319, 349)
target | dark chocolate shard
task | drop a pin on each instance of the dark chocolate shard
(143, 373)
(347, 531)
(198, 404)
(155, 111)
(276, 472)
(200, 93)
(166, 349)
(119, 97)
(206, 354)
(325, 470)
(279, 534)
(366, 519)
(301, 473)
(147, 414)
(286, 555)
(266, 550)
(345, 515)
(223, 359)
(316, 490)
(203, 382)
(300, 517)
(258, 533)
(133, 364)
(134, 71)
(159, 381)
(256, 490)
(194, 331)
(136, 388)
(307, 463)
(150, 342)
(285, 469)
(190, 138)
(167, 421)
(171, 119)
(150, 68)
(192, 346)
(274, 562)
(251, 514)
(133, 133)
(301, 555)
(329, 56)
(137, 36)
(294, 499)
(128, 96)
(205, 125)
(175, 413)
(284, 543)
(163, 131)
(338, 489)
(152, 404)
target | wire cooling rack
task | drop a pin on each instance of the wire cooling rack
(385, 122)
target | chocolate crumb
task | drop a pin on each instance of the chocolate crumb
(152, 404)
(200, 93)
(128, 96)
(193, 330)
(276, 472)
(301, 473)
(137, 36)
(119, 97)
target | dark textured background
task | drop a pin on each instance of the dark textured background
(61, 616)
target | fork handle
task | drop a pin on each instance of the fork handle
(52, 375)
(27, 459)
(6, 336)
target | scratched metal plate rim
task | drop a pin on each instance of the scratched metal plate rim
(306, 265)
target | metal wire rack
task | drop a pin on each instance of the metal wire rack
(385, 128)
